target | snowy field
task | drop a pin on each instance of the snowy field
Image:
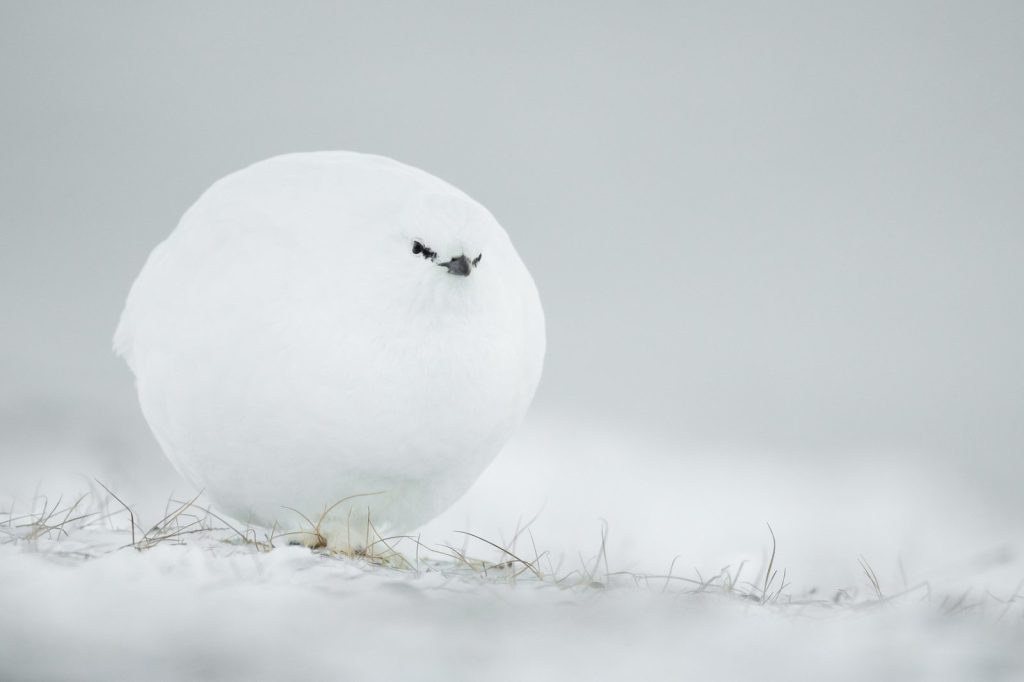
(607, 563)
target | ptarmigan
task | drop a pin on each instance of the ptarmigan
(334, 327)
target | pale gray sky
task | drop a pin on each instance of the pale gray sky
(796, 226)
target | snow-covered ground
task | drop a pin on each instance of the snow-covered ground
(676, 588)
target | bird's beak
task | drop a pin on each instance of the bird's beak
(458, 266)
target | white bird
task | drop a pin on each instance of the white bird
(336, 335)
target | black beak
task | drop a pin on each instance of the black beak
(458, 266)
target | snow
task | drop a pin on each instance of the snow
(86, 605)
(202, 611)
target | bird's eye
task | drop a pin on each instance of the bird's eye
(419, 248)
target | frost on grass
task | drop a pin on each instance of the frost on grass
(89, 589)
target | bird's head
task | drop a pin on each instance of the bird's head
(456, 265)
(448, 234)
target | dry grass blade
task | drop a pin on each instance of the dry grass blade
(169, 528)
(319, 539)
(602, 554)
(131, 514)
(533, 569)
(871, 576)
(668, 578)
(245, 536)
(769, 574)
(37, 525)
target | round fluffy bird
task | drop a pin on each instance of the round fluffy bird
(334, 340)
